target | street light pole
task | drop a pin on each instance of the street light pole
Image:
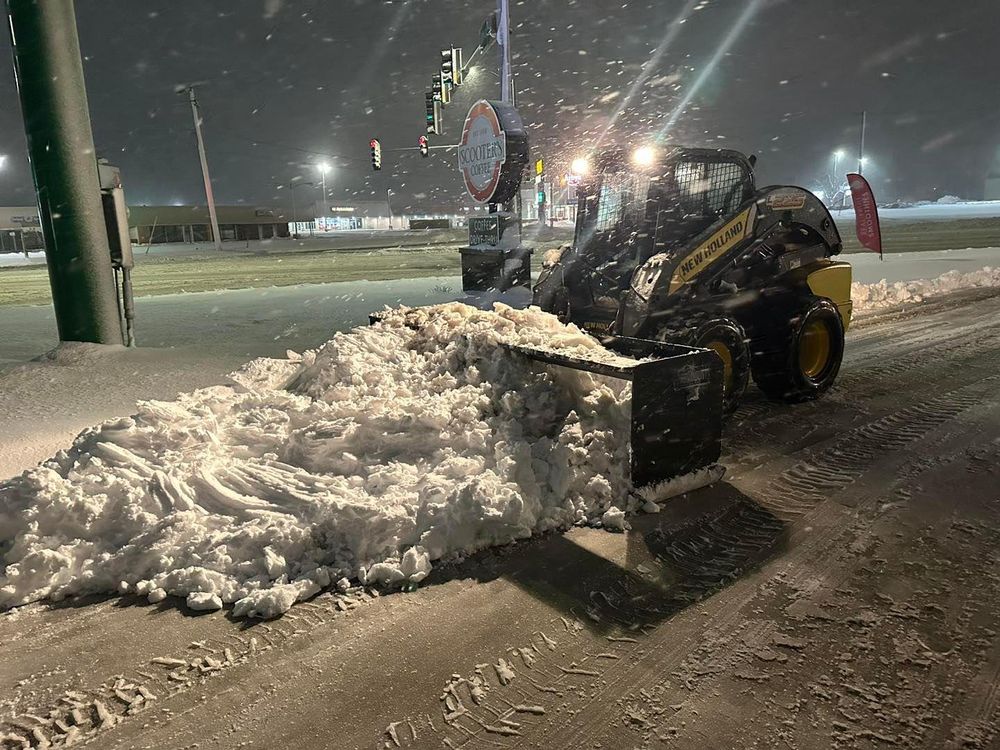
(209, 197)
(861, 148)
(388, 204)
(323, 169)
(503, 44)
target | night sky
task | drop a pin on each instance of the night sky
(294, 82)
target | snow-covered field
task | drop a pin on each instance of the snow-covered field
(255, 322)
(930, 211)
(388, 447)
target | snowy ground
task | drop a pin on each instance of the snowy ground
(266, 322)
(840, 588)
(319, 241)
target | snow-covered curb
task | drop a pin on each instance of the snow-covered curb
(882, 294)
(391, 446)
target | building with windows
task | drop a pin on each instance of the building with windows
(20, 230)
(157, 224)
(992, 192)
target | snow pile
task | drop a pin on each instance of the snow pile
(389, 447)
(884, 294)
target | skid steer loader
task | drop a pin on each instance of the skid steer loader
(681, 247)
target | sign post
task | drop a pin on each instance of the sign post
(492, 156)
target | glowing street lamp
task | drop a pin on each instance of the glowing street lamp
(580, 167)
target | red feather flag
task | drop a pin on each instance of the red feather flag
(865, 213)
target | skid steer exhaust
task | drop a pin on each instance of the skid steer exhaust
(676, 414)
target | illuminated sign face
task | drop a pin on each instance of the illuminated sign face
(482, 152)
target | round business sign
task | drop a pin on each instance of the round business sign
(482, 151)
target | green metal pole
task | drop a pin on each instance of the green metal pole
(49, 74)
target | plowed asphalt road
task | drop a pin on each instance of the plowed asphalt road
(839, 588)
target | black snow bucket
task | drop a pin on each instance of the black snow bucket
(676, 410)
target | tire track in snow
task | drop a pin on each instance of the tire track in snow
(710, 553)
(811, 481)
(81, 714)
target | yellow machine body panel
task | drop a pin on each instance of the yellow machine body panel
(832, 279)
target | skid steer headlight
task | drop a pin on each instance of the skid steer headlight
(644, 156)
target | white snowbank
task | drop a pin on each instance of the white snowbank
(387, 448)
(885, 294)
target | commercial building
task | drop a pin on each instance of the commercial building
(20, 230)
(992, 192)
(157, 224)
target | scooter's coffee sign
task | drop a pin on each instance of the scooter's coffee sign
(492, 152)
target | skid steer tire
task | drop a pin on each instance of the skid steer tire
(728, 340)
(803, 361)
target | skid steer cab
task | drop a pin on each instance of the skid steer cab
(679, 245)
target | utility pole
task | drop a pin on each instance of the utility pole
(209, 197)
(861, 149)
(503, 45)
(49, 73)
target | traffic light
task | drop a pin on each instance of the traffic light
(451, 66)
(376, 148)
(433, 116)
(424, 146)
(440, 90)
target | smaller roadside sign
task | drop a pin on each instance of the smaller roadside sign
(484, 231)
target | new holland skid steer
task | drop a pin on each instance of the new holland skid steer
(681, 247)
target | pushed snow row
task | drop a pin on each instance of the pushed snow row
(416, 439)
(883, 294)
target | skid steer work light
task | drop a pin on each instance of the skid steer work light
(644, 156)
